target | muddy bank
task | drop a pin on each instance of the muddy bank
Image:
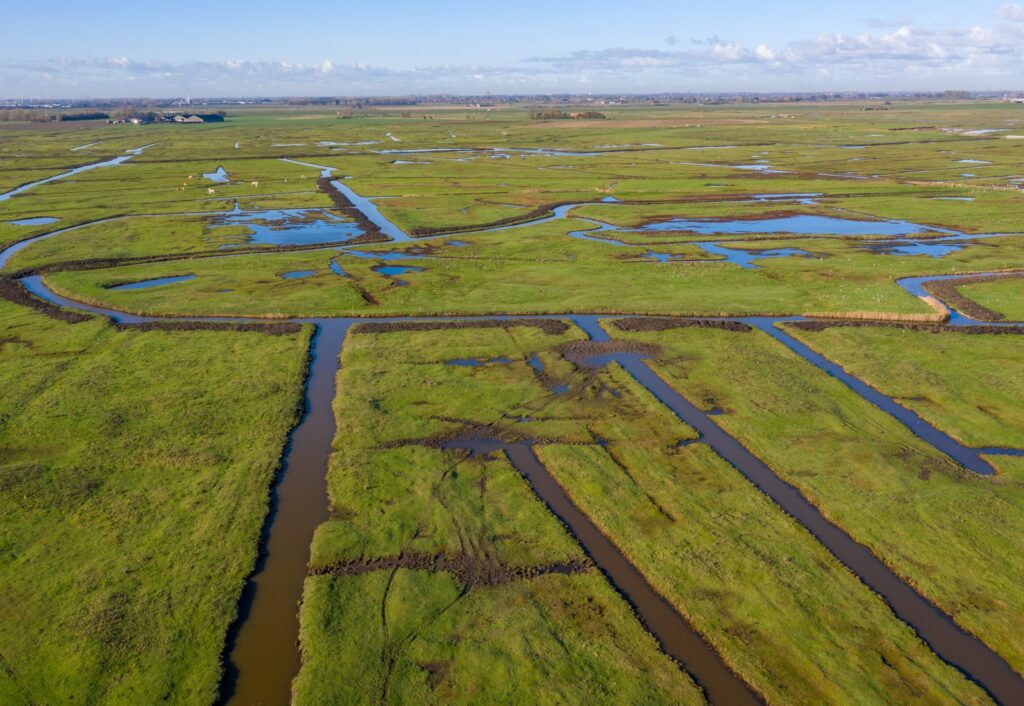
(664, 323)
(273, 329)
(584, 353)
(501, 436)
(947, 291)
(470, 571)
(822, 324)
(371, 231)
(13, 291)
(550, 326)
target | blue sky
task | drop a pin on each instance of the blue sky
(217, 47)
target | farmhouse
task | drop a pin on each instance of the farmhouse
(198, 118)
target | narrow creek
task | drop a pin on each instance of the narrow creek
(77, 170)
(676, 636)
(965, 652)
(966, 456)
(261, 655)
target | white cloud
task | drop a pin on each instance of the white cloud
(730, 51)
(1012, 11)
(984, 56)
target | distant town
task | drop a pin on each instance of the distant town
(143, 111)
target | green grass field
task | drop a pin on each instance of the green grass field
(131, 506)
(1004, 297)
(969, 386)
(135, 465)
(947, 531)
(680, 513)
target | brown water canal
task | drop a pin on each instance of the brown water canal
(262, 647)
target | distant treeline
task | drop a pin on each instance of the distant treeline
(41, 116)
(562, 115)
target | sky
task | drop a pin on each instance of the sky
(171, 48)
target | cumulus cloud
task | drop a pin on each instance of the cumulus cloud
(1012, 11)
(903, 56)
(971, 54)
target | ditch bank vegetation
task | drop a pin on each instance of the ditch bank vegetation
(469, 570)
(665, 323)
(13, 291)
(947, 291)
(554, 327)
(822, 324)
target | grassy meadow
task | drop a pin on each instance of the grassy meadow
(950, 533)
(133, 486)
(135, 464)
(741, 571)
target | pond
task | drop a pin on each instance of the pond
(36, 221)
(283, 227)
(148, 283)
(219, 176)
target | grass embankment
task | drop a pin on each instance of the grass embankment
(133, 486)
(949, 532)
(471, 637)
(781, 611)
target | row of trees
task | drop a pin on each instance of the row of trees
(42, 116)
